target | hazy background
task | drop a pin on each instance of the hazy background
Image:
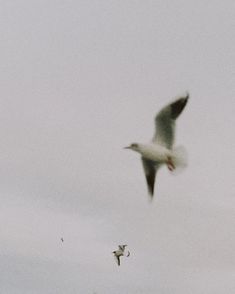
(79, 81)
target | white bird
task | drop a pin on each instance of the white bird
(120, 252)
(160, 151)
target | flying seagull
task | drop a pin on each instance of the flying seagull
(161, 151)
(120, 252)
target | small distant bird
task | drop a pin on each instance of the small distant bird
(160, 151)
(120, 252)
(62, 240)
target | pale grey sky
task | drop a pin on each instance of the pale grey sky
(79, 81)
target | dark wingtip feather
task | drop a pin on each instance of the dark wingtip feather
(150, 172)
(178, 106)
(150, 181)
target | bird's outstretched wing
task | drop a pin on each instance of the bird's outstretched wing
(128, 254)
(117, 258)
(150, 170)
(165, 122)
(122, 247)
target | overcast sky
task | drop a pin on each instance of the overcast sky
(79, 81)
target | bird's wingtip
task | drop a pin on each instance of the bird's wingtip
(150, 193)
(187, 95)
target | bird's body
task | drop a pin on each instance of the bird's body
(120, 252)
(160, 151)
(154, 152)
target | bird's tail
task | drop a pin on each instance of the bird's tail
(179, 159)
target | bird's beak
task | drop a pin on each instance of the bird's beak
(127, 147)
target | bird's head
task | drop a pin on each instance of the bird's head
(133, 146)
